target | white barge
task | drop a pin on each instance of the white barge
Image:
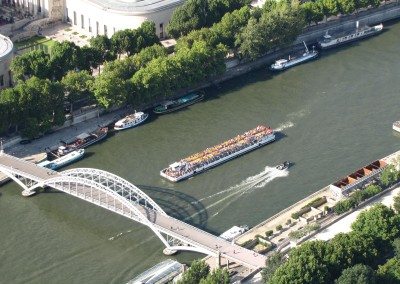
(234, 232)
(211, 157)
(330, 41)
(396, 126)
(282, 64)
(131, 120)
(63, 160)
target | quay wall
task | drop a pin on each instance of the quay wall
(392, 158)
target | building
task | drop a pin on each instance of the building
(6, 55)
(102, 17)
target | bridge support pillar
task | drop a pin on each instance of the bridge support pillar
(218, 260)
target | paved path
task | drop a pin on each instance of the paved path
(163, 223)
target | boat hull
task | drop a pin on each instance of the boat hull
(132, 125)
(200, 98)
(396, 126)
(270, 139)
(275, 68)
(350, 40)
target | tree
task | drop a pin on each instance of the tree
(271, 265)
(147, 54)
(346, 6)
(396, 203)
(102, 44)
(396, 248)
(146, 36)
(122, 68)
(389, 273)
(124, 41)
(306, 264)
(230, 24)
(198, 270)
(65, 56)
(389, 175)
(379, 222)
(330, 7)
(89, 58)
(217, 276)
(78, 86)
(34, 63)
(357, 274)
(312, 12)
(110, 90)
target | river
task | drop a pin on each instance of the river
(335, 115)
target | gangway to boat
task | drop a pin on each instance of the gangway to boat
(160, 273)
(116, 194)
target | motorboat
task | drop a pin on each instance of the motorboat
(283, 166)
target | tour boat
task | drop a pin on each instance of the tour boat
(213, 156)
(80, 142)
(283, 166)
(170, 106)
(63, 161)
(131, 120)
(396, 126)
(332, 41)
(283, 64)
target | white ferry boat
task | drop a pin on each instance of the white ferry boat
(360, 33)
(219, 154)
(234, 232)
(396, 126)
(64, 160)
(131, 120)
(283, 64)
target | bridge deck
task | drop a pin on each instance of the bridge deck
(165, 224)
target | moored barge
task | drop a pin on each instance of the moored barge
(213, 156)
(396, 126)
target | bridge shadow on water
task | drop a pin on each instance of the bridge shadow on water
(178, 205)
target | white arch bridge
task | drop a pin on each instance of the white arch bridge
(114, 193)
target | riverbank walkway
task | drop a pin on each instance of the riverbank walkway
(119, 196)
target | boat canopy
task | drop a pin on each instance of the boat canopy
(83, 136)
(281, 61)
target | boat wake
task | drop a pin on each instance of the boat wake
(285, 125)
(119, 235)
(248, 185)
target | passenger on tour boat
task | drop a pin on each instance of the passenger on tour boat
(209, 155)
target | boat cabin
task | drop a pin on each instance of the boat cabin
(281, 62)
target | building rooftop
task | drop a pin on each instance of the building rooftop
(6, 46)
(136, 7)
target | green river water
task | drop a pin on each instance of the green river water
(335, 115)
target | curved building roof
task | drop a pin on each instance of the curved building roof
(136, 7)
(6, 46)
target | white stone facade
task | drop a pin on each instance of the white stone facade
(6, 55)
(103, 17)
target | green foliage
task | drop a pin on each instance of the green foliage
(35, 63)
(78, 85)
(217, 276)
(165, 75)
(198, 270)
(269, 233)
(196, 14)
(110, 90)
(322, 262)
(356, 198)
(279, 227)
(357, 274)
(396, 203)
(389, 175)
(35, 105)
(147, 54)
(379, 222)
(389, 273)
(312, 12)
(305, 265)
(304, 231)
(102, 44)
(279, 25)
(272, 263)
(65, 56)
(396, 247)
